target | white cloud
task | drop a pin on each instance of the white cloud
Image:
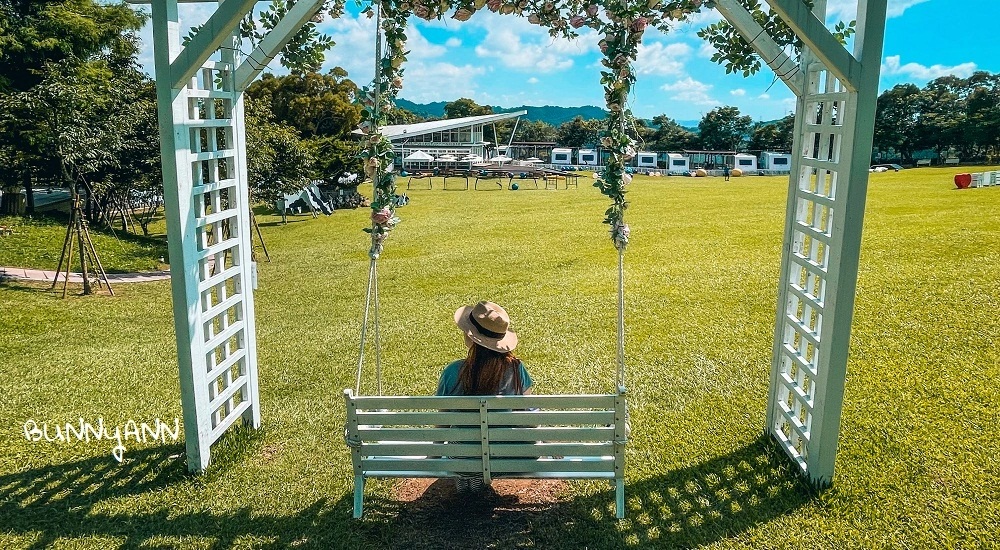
(892, 66)
(691, 91)
(764, 97)
(662, 59)
(532, 80)
(847, 10)
(355, 49)
(422, 81)
(738, 92)
(517, 44)
(453, 42)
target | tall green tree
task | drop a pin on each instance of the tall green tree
(896, 120)
(578, 132)
(671, 136)
(278, 161)
(535, 130)
(724, 129)
(316, 105)
(65, 70)
(464, 107)
(772, 136)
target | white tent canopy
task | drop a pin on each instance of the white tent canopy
(418, 156)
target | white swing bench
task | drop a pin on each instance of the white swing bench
(516, 436)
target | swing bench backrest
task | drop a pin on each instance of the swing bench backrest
(514, 436)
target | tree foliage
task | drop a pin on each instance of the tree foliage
(772, 136)
(578, 132)
(949, 114)
(724, 129)
(464, 107)
(668, 135)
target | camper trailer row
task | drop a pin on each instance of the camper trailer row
(676, 163)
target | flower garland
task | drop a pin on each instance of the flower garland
(377, 101)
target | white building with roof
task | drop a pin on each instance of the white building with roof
(459, 137)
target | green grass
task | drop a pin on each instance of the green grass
(918, 463)
(37, 243)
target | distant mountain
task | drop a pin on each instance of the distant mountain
(548, 113)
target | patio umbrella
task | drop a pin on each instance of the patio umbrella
(532, 160)
(418, 156)
(447, 158)
(501, 159)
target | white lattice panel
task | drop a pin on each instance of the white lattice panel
(206, 203)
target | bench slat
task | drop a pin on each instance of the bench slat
(501, 450)
(533, 418)
(422, 463)
(566, 433)
(418, 434)
(427, 418)
(445, 449)
(503, 466)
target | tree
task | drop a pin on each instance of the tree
(535, 130)
(316, 105)
(671, 136)
(896, 120)
(578, 132)
(772, 136)
(983, 114)
(942, 115)
(278, 162)
(465, 107)
(723, 129)
(64, 70)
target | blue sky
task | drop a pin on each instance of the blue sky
(505, 61)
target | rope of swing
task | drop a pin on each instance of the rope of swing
(371, 305)
(621, 317)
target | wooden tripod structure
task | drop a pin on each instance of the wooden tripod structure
(77, 230)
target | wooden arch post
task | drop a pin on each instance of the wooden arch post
(199, 89)
(834, 119)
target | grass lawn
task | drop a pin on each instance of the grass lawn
(919, 459)
(37, 243)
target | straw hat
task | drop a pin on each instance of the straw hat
(488, 325)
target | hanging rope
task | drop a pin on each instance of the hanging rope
(621, 317)
(364, 325)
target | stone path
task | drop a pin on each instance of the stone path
(22, 274)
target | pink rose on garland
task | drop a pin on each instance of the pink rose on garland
(462, 14)
(494, 5)
(576, 21)
(592, 10)
(639, 24)
(381, 217)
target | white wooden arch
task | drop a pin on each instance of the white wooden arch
(205, 184)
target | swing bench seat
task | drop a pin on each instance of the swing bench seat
(513, 436)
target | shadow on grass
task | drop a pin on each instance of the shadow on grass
(99, 498)
(701, 504)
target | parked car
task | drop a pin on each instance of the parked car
(885, 167)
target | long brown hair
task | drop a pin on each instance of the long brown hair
(485, 371)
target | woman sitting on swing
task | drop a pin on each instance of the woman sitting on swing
(491, 367)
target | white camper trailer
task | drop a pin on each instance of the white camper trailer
(562, 156)
(777, 163)
(645, 159)
(678, 163)
(746, 163)
(587, 157)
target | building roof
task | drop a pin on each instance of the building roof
(399, 131)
